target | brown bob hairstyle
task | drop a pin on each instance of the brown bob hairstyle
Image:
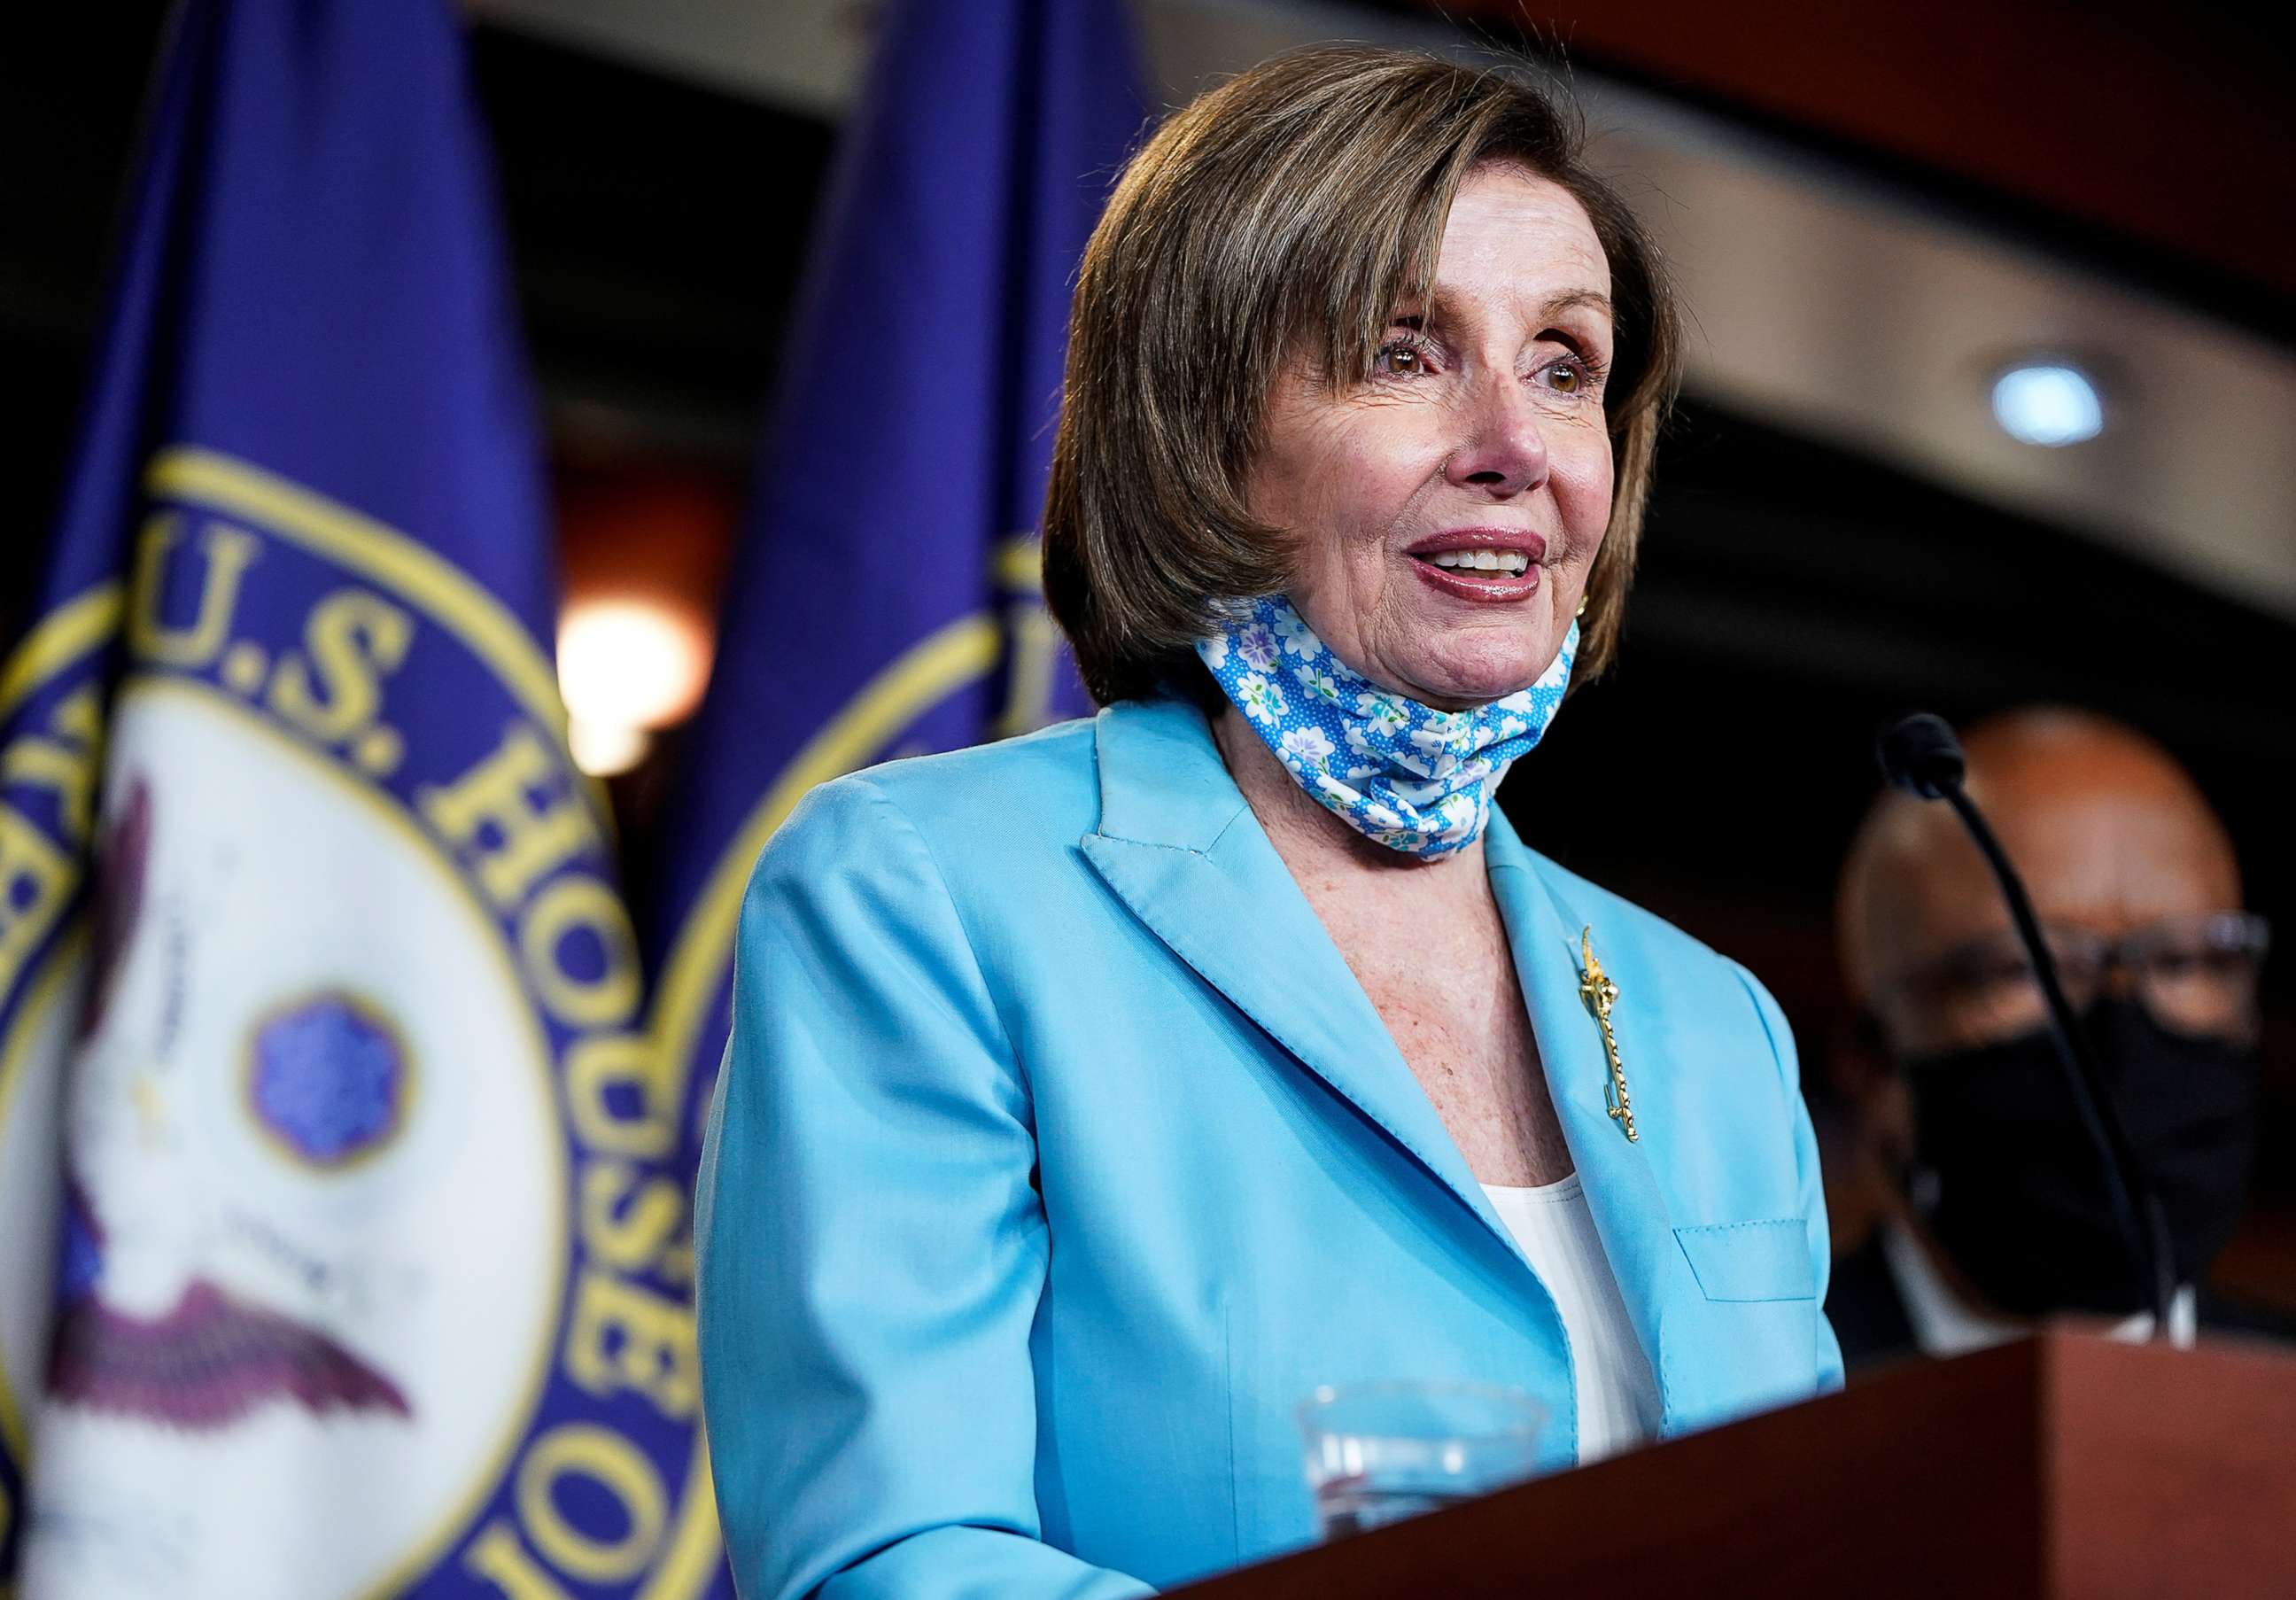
(1284, 215)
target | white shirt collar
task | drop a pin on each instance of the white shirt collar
(1945, 1324)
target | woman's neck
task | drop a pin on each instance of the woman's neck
(1321, 850)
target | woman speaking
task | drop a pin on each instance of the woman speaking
(1095, 1095)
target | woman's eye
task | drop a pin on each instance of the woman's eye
(1401, 359)
(1568, 377)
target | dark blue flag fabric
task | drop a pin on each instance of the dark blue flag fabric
(325, 1101)
(886, 600)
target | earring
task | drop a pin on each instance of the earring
(1582, 607)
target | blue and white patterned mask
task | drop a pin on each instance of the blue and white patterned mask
(1399, 773)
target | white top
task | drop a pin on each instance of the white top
(1618, 1397)
(1945, 1324)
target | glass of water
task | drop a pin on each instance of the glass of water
(1378, 1452)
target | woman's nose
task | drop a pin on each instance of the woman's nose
(1503, 452)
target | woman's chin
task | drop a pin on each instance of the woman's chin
(1478, 677)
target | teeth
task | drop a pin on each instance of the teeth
(1512, 562)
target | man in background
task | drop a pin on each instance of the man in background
(1991, 1210)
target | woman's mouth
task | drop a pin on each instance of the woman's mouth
(1487, 566)
(1507, 564)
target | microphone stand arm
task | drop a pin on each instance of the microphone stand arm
(2142, 1223)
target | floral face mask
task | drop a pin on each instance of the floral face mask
(1400, 772)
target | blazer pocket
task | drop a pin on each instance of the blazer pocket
(1751, 1261)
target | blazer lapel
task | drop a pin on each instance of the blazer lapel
(1620, 1185)
(1179, 845)
(1179, 842)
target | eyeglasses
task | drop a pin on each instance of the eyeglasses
(2193, 974)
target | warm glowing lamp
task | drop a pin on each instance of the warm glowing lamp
(627, 665)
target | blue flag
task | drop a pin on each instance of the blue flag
(323, 1071)
(887, 600)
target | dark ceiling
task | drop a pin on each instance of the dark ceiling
(2154, 140)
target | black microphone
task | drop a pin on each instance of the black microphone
(1920, 755)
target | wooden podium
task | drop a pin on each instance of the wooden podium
(2065, 1464)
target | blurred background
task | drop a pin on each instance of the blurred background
(1992, 397)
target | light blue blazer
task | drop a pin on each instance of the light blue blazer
(1058, 1154)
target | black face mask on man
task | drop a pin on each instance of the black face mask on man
(2013, 1190)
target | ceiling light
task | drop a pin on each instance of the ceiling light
(2047, 403)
